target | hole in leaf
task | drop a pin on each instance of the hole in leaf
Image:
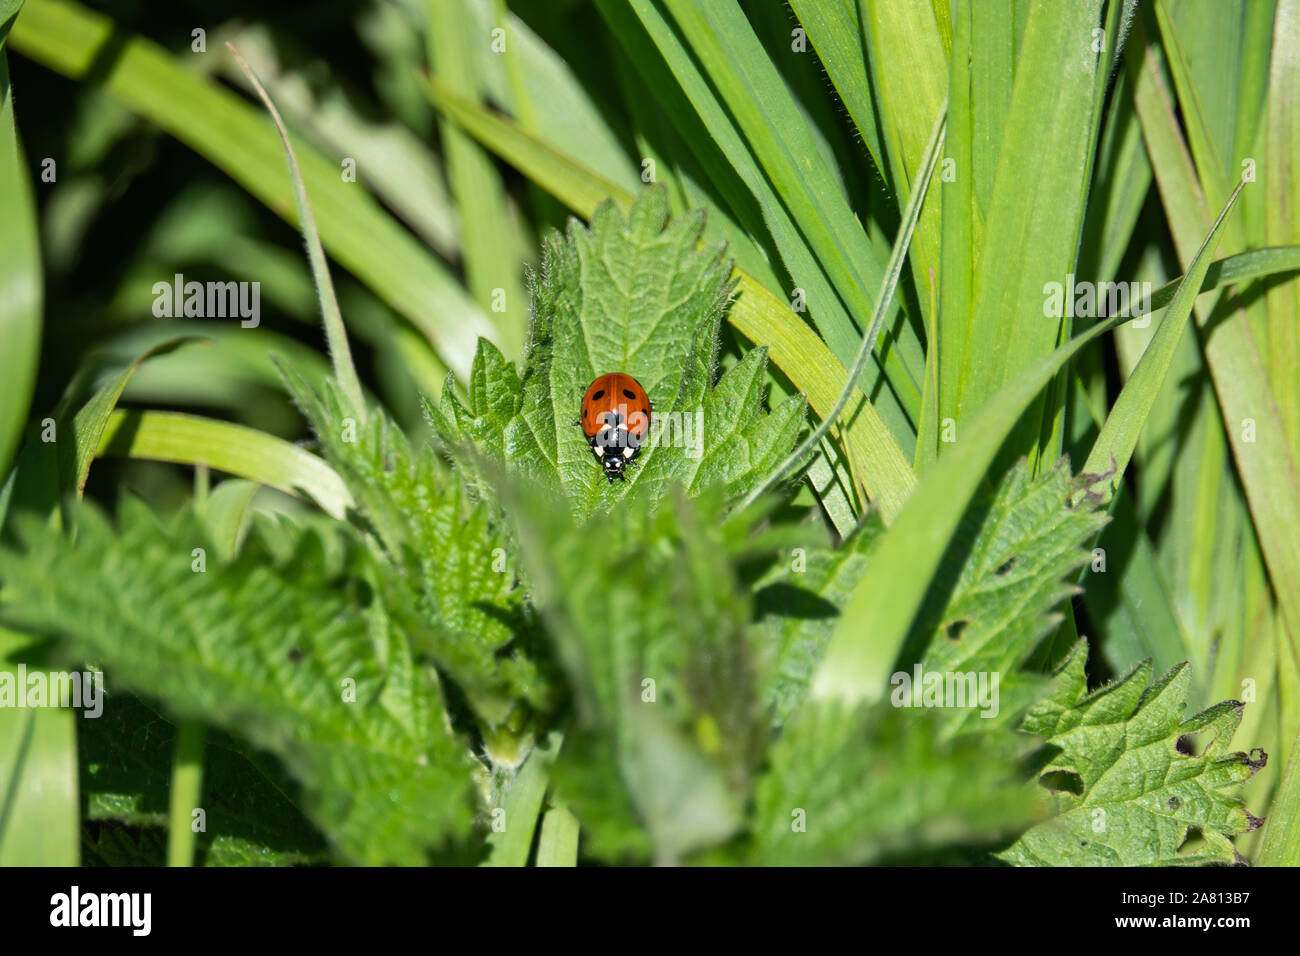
(954, 629)
(1186, 745)
(1193, 841)
(1062, 781)
(1006, 566)
(1173, 803)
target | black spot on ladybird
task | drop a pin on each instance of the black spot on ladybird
(629, 393)
(598, 396)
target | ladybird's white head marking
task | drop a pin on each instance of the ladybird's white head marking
(600, 451)
(629, 452)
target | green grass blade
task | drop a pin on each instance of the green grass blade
(1281, 840)
(236, 137)
(1282, 223)
(89, 423)
(1114, 446)
(1232, 270)
(1035, 214)
(20, 277)
(226, 511)
(1123, 181)
(335, 334)
(485, 224)
(878, 461)
(833, 30)
(523, 806)
(961, 232)
(893, 270)
(672, 71)
(909, 69)
(234, 449)
(1241, 382)
(395, 162)
(40, 817)
(559, 841)
(724, 43)
(577, 186)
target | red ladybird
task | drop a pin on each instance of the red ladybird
(616, 420)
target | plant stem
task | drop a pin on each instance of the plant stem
(186, 791)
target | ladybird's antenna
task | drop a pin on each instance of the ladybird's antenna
(892, 273)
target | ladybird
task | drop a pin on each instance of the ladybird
(615, 418)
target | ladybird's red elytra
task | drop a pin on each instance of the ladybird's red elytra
(615, 417)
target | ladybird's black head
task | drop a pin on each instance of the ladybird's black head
(615, 448)
(614, 466)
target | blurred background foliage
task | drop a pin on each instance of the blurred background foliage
(797, 128)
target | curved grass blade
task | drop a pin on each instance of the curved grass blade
(90, 421)
(893, 270)
(1232, 270)
(1119, 435)
(335, 334)
(223, 446)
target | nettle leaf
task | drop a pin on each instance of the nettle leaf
(1129, 793)
(451, 566)
(855, 785)
(109, 843)
(649, 625)
(1024, 549)
(268, 646)
(630, 295)
(994, 597)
